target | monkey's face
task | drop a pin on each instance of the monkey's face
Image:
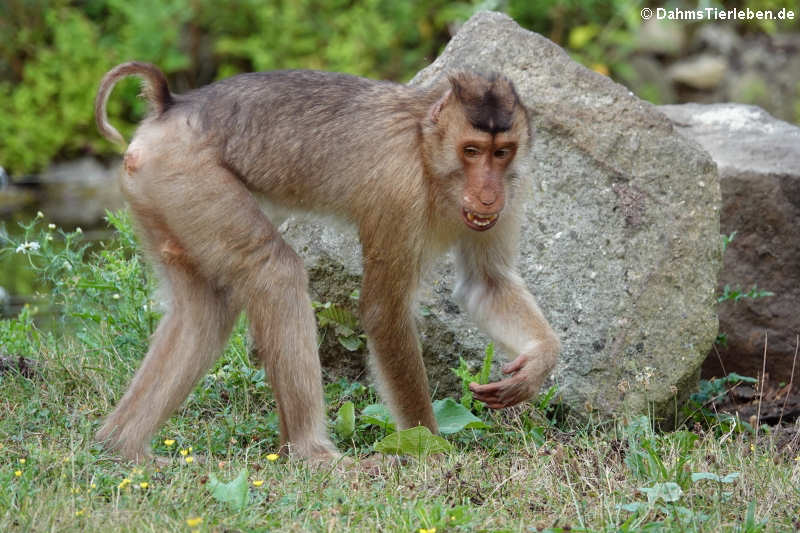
(485, 160)
(473, 134)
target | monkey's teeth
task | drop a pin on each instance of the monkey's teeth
(479, 220)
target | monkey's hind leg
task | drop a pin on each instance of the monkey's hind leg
(187, 341)
(230, 239)
(285, 334)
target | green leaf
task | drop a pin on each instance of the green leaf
(483, 377)
(734, 377)
(234, 493)
(730, 478)
(668, 492)
(418, 441)
(378, 414)
(699, 476)
(633, 507)
(351, 342)
(345, 321)
(452, 417)
(346, 420)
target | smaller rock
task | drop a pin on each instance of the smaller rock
(758, 158)
(702, 72)
(661, 37)
(79, 192)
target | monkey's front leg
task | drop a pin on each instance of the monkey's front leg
(498, 300)
(392, 337)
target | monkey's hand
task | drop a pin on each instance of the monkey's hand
(528, 375)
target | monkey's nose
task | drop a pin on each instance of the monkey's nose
(488, 197)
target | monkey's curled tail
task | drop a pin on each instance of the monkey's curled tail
(155, 89)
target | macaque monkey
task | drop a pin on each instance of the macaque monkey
(417, 170)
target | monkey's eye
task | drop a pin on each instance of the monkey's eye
(472, 151)
(502, 153)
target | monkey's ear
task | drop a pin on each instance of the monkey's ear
(436, 109)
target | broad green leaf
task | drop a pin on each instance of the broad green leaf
(234, 493)
(452, 417)
(633, 507)
(730, 478)
(418, 441)
(698, 476)
(668, 492)
(378, 414)
(351, 342)
(346, 420)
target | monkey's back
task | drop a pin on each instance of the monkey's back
(285, 133)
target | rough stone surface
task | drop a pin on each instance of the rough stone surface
(758, 158)
(621, 244)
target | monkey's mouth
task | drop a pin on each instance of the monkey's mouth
(478, 222)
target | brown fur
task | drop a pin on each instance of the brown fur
(412, 168)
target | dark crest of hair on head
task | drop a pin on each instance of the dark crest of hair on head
(488, 101)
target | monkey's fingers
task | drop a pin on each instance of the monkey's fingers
(515, 365)
(499, 394)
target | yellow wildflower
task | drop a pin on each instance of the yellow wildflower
(184, 452)
(124, 483)
(80, 513)
(258, 482)
(169, 442)
(194, 522)
(189, 459)
(272, 457)
(22, 460)
(143, 485)
(18, 473)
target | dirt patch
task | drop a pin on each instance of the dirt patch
(775, 404)
(26, 367)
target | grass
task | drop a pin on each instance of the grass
(530, 470)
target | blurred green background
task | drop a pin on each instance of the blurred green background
(54, 52)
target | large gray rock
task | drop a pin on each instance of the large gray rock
(758, 158)
(621, 244)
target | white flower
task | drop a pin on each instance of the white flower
(51, 226)
(78, 230)
(26, 247)
(39, 214)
